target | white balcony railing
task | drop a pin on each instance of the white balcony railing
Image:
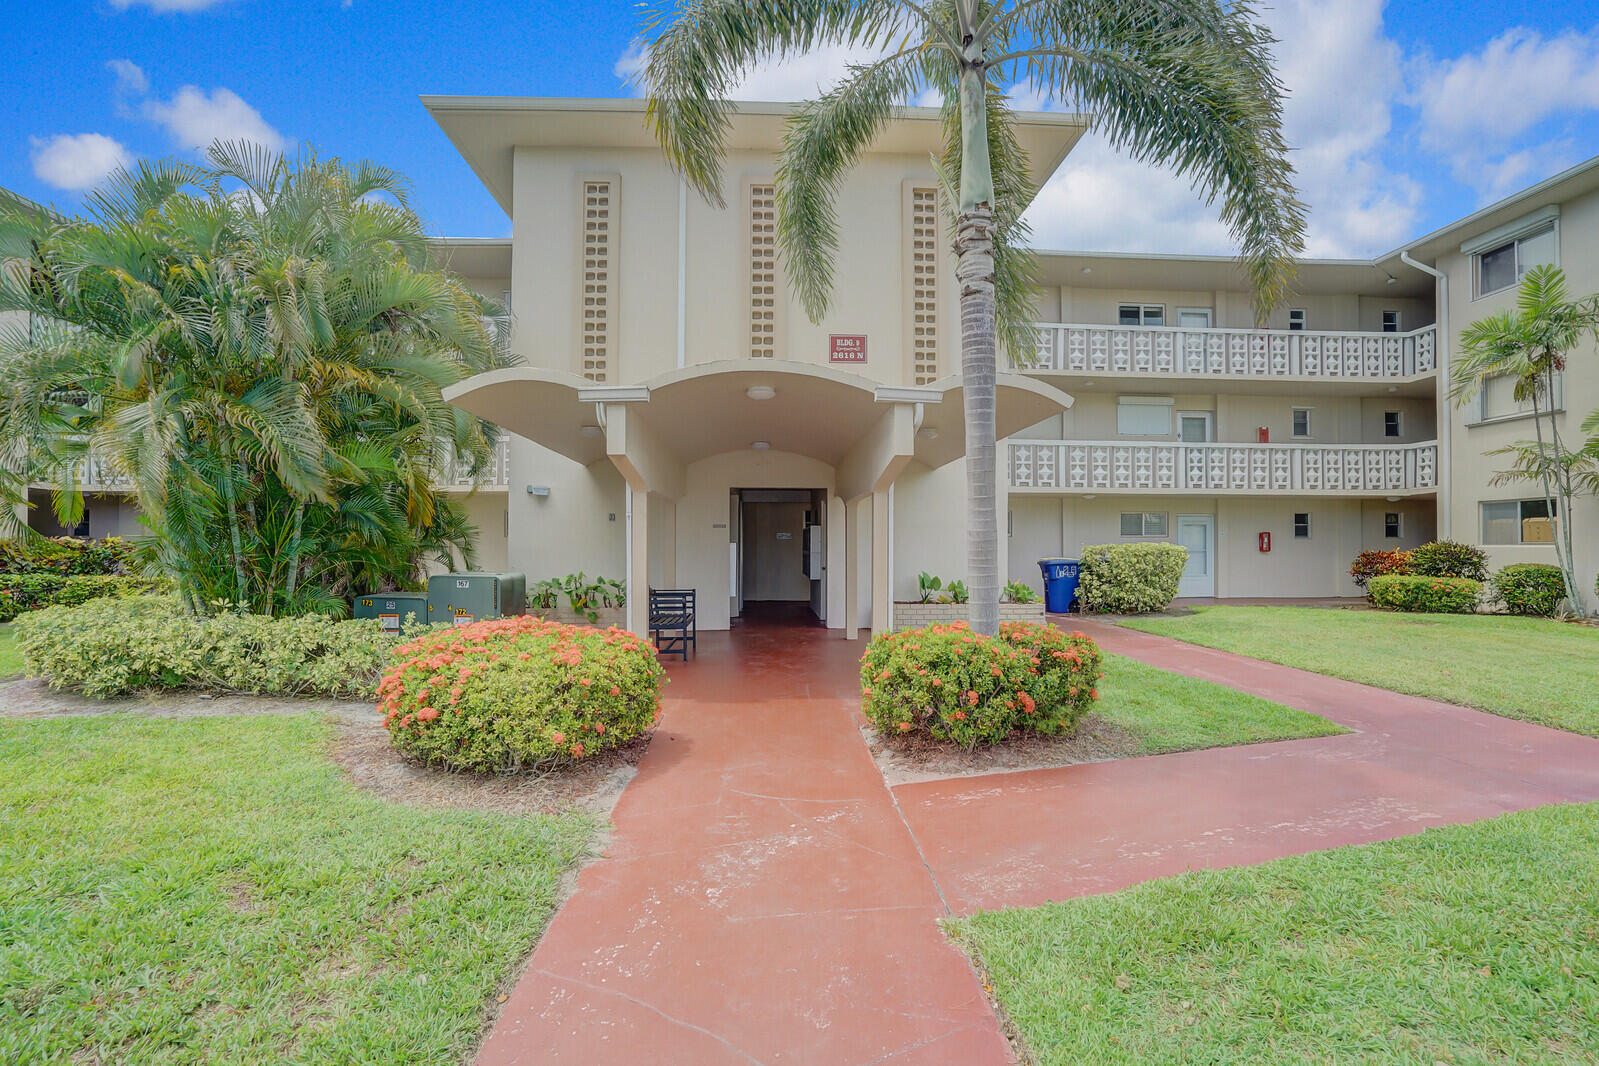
(96, 474)
(1119, 466)
(1240, 353)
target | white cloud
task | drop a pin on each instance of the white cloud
(796, 78)
(76, 160)
(1473, 108)
(166, 7)
(1336, 125)
(131, 78)
(195, 119)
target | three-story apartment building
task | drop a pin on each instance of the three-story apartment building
(679, 420)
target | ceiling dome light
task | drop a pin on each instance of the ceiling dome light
(760, 445)
(760, 392)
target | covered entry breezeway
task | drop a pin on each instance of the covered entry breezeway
(684, 441)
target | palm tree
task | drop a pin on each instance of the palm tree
(1528, 345)
(260, 345)
(1181, 83)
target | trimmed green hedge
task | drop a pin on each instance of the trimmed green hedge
(65, 555)
(112, 647)
(1430, 595)
(1529, 588)
(33, 592)
(1130, 578)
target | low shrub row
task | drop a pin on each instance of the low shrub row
(1130, 578)
(949, 684)
(114, 646)
(65, 555)
(20, 593)
(511, 693)
(1431, 595)
(1529, 588)
(1438, 558)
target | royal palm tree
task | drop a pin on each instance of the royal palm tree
(1529, 346)
(260, 345)
(1180, 83)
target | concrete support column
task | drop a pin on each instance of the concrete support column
(638, 562)
(852, 569)
(882, 583)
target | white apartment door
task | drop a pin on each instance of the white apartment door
(1197, 533)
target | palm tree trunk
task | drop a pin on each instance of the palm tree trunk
(1568, 562)
(230, 498)
(974, 269)
(293, 580)
(1557, 518)
(974, 247)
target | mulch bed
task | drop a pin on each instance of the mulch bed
(903, 760)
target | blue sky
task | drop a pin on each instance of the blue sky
(1403, 115)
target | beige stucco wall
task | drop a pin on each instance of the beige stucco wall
(867, 294)
(110, 515)
(1233, 309)
(580, 525)
(1472, 469)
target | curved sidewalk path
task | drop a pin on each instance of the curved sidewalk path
(762, 899)
(1022, 839)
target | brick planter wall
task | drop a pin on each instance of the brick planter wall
(607, 616)
(916, 615)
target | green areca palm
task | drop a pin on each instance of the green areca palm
(1183, 83)
(1529, 346)
(260, 344)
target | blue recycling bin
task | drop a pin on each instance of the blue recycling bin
(1060, 584)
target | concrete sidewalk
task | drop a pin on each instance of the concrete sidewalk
(763, 901)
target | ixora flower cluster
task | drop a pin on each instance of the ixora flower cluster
(948, 683)
(518, 692)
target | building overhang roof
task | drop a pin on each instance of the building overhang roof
(486, 130)
(707, 409)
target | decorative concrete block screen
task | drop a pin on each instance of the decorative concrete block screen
(765, 287)
(599, 276)
(923, 268)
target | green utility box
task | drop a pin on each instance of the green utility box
(462, 599)
(392, 608)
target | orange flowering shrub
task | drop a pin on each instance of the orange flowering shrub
(515, 692)
(952, 685)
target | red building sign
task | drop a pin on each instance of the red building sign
(846, 348)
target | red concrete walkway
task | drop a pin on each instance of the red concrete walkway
(1024, 838)
(762, 901)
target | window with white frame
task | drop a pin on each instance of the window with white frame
(1497, 399)
(1144, 416)
(1390, 321)
(1193, 427)
(1517, 522)
(1144, 524)
(1500, 258)
(1393, 424)
(1141, 314)
(1296, 318)
(1301, 421)
(1301, 524)
(1392, 525)
(1193, 317)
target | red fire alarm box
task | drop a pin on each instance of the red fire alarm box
(1265, 542)
(1264, 434)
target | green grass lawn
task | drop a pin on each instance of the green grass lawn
(1531, 668)
(1170, 712)
(212, 890)
(1470, 945)
(10, 658)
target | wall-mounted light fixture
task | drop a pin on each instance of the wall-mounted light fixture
(538, 490)
(590, 431)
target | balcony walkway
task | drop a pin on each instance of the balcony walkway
(763, 900)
